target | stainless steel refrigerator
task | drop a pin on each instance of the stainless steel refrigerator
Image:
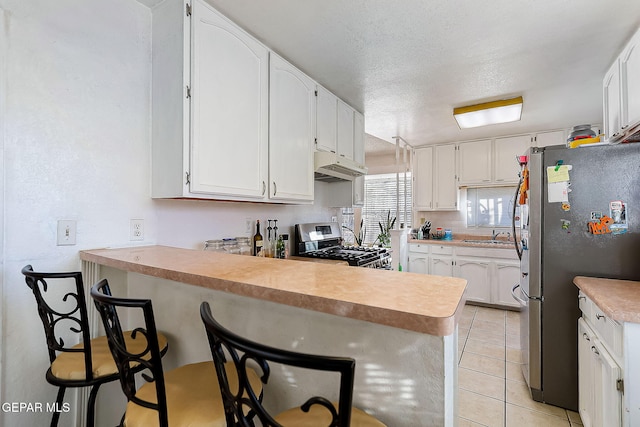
(557, 244)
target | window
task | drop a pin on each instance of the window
(490, 206)
(380, 199)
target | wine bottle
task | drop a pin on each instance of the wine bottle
(257, 241)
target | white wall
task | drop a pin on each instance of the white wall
(77, 146)
(189, 223)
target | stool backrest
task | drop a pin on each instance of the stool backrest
(243, 404)
(68, 320)
(129, 363)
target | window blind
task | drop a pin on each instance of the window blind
(381, 198)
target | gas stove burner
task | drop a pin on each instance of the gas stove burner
(325, 241)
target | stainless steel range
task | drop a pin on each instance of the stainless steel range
(324, 240)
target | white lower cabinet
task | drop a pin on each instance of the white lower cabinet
(476, 272)
(599, 394)
(601, 380)
(506, 274)
(490, 273)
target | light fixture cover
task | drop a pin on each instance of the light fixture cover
(489, 113)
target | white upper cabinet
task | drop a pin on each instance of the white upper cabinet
(327, 120)
(201, 125)
(505, 165)
(546, 139)
(229, 128)
(630, 79)
(621, 92)
(475, 162)
(612, 105)
(423, 179)
(292, 116)
(434, 178)
(345, 130)
(224, 124)
(445, 188)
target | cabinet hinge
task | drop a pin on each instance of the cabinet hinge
(620, 386)
(188, 9)
(188, 178)
(188, 92)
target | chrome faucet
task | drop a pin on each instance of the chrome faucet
(495, 235)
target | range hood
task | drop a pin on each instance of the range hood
(330, 167)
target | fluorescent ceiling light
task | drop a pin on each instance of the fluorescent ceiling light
(489, 113)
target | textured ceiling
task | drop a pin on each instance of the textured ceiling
(407, 63)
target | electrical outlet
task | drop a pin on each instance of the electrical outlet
(66, 232)
(248, 226)
(136, 231)
(334, 219)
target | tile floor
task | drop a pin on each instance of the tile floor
(492, 389)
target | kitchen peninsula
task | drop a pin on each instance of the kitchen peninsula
(400, 327)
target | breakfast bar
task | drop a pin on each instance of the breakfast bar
(400, 327)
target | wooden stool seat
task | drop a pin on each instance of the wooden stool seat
(193, 397)
(70, 365)
(318, 416)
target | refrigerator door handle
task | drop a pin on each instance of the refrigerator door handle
(541, 298)
(516, 297)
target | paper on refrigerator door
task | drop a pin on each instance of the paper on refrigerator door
(558, 173)
(558, 192)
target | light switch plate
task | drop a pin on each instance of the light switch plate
(66, 232)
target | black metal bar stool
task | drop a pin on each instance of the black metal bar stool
(241, 403)
(89, 362)
(184, 396)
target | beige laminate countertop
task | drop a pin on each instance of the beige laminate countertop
(618, 299)
(461, 242)
(416, 302)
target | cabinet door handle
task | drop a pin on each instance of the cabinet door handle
(275, 188)
(264, 187)
(585, 336)
(595, 350)
(599, 316)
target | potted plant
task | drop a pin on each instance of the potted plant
(385, 230)
(359, 238)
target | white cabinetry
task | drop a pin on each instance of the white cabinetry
(441, 262)
(419, 258)
(506, 274)
(546, 139)
(612, 104)
(423, 179)
(630, 82)
(199, 121)
(445, 190)
(475, 162)
(327, 120)
(505, 151)
(213, 101)
(476, 272)
(292, 115)
(621, 92)
(600, 377)
(490, 272)
(345, 130)
(434, 178)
